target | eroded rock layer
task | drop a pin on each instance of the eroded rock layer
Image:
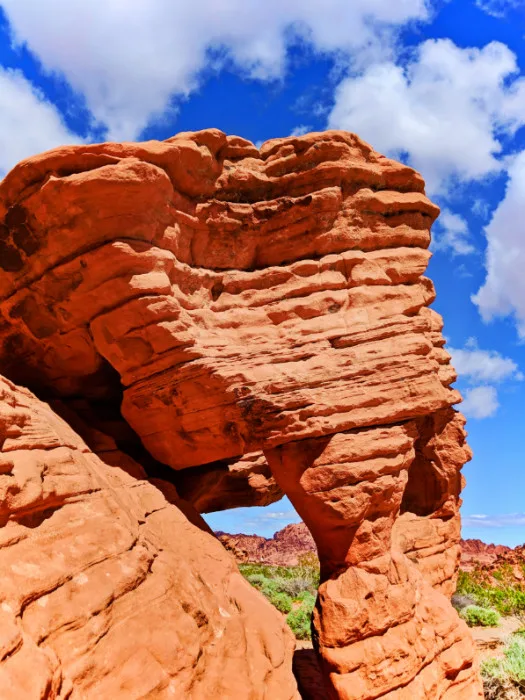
(108, 590)
(239, 300)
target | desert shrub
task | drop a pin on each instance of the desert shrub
(292, 590)
(475, 616)
(305, 597)
(293, 586)
(300, 619)
(506, 675)
(500, 689)
(308, 569)
(506, 599)
(282, 601)
(266, 570)
(257, 580)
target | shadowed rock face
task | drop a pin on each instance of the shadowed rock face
(238, 301)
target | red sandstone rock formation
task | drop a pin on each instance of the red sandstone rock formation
(108, 590)
(236, 300)
(490, 558)
(247, 481)
(285, 548)
(475, 553)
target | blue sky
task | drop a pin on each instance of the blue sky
(437, 83)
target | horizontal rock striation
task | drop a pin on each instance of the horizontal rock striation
(238, 300)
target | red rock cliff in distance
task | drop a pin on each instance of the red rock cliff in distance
(285, 548)
(225, 301)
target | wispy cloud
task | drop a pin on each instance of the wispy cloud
(270, 519)
(452, 234)
(505, 520)
(482, 369)
(497, 8)
(300, 130)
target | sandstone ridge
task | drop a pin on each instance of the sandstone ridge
(228, 324)
(285, 548)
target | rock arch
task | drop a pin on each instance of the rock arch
(231, 301)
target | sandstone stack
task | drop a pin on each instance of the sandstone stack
(260, 320)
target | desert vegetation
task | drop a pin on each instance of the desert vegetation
(497, 591)
(483, 598)
(504, 678)
(291, 589)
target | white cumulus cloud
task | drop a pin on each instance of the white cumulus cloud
(480, 366)
(503, 292)
(28, 122)
(300, 130)
(480, 402)
(130, 58)
(482, 369)
(446, 109)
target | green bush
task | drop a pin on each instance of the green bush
(460, 602)
(282, 601)
(294, 586)
(257, 580)
(507, 598)
(267, 570)
(476, 616)
(305, 596)
(299, 621)
(292, 590)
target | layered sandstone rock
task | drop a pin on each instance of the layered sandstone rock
(237, 300)
(108, 590)
(247, 481)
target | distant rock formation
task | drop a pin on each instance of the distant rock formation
(259, 316)
(477, 553)
(491, 558)
(285, 548)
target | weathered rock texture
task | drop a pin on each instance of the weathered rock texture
(247, 481)
(108, 590)
(240, 300)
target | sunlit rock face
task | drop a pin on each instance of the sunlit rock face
(260, 320)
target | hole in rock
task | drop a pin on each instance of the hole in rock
(428, 484)
(239, 499)
(277, 555)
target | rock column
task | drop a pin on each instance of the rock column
(381, 629)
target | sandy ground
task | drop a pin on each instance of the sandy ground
(490, 640)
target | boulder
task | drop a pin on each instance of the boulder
(109, 590)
